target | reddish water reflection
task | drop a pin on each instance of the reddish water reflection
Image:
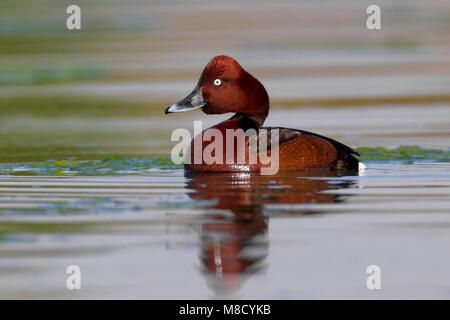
(234, 247)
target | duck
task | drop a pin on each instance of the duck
(224, 87)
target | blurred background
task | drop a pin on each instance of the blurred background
(100, 90)
(140, 227)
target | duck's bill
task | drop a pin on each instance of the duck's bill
(193, 101)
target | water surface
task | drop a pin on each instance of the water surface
(85, 177)
(163, 233)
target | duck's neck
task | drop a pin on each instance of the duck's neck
(255, 118)
(248, 121)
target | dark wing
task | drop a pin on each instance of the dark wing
(339, 146)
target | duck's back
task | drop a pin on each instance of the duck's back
(299, 149)
(296, 150)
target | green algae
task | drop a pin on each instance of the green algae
(406, 154)
(110, 165)
(119, 165)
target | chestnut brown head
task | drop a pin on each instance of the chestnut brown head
(223, 87)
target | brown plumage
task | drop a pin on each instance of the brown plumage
(225, 87)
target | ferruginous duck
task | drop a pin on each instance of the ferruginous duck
(224, 87)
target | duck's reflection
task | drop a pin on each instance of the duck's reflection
(235, 246)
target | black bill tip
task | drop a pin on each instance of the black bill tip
(193, 101)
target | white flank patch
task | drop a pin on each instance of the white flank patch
(361, 167)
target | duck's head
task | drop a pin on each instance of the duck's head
(223, 87)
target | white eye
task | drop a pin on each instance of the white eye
(217, 82)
